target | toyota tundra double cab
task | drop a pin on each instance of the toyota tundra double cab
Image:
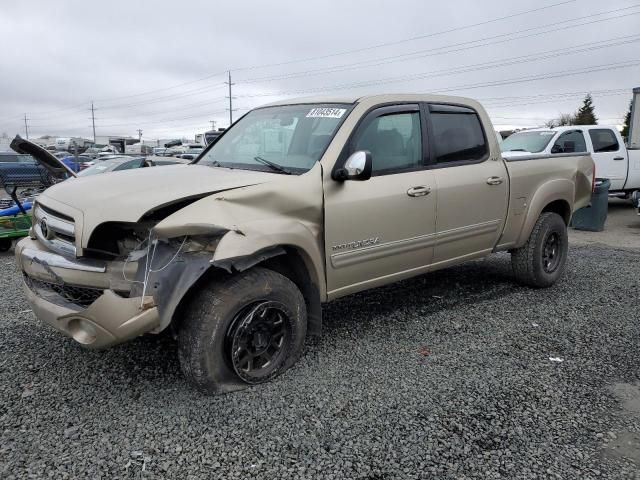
(298, 203)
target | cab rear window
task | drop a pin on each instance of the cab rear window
(604, 140)
(457, 133)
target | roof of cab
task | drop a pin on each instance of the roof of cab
(564, 128)
(379, 98)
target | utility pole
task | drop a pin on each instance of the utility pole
(213, 124)
(93, 122)
(230, 97)
(139, 135)
(26, 126)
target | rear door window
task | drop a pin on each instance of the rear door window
(458, 135)
(604, 140)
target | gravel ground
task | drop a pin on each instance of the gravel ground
(622, 228)
(444, 376)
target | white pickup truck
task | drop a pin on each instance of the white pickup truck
(613, 160)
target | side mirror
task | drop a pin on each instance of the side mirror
(357, 167)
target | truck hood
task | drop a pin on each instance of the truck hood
(56, 167)
(127, 195)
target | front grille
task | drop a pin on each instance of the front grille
(83, 296)
(54, 229)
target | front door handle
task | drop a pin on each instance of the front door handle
(419, 191)
(495, 180)
(618, 158)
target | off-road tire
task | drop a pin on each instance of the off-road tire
(211, 315)
(528, 261)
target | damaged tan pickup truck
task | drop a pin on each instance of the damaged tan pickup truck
(298, 203)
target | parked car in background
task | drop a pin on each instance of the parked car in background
(174, 151)
(107, 154)
(212, 135)
(61, 155)
(156, 161)
(71, 143)
(297, 204)
(604, 143)
(78, 163)
(159, 151)
(138, 149)
(115, 164)
(10, 157)
(191, 153)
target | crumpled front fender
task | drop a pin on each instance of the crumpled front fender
(250, 220)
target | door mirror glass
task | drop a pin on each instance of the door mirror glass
(357, 167)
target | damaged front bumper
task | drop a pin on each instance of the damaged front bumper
(88, 300)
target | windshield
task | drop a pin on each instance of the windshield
(532, 142)
(291, 138)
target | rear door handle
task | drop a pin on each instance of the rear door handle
(495, 180)
(419, 191)
(618, 158)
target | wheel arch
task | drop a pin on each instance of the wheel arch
(290, 261)
(297, 267)
(549, 197)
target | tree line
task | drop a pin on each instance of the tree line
(586, 115)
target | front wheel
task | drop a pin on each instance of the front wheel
(542, 260)
(242, 330)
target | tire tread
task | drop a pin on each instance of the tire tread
(202, 320)
(523, 259)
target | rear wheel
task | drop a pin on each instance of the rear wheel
(242, 330)
(541, 261)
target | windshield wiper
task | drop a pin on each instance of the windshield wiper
(517, 150)
(273, 166)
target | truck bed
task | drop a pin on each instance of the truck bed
(530, 190)
(633, 174)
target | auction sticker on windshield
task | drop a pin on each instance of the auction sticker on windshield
(326, 112)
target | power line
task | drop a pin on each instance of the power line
(521, 59)
(425, 75)
(405, 40)
(208, 77)
(463, 69)
(402, 57)
(588, 47)
(182, 108)
(444, 50)
(335, 54)
(556, 99)
(553, 95)
(197, 91)
(504, 102)
(173, 119)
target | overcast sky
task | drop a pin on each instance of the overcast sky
(160, 65)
